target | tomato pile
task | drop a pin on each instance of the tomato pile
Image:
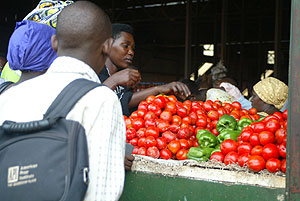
(261, 145)
(165, 128)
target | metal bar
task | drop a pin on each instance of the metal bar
(187, 58)
(277, 45)
(293, 130)
(223, 30)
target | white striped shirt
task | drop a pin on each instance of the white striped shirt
(99, 112)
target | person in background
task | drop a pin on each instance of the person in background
(120, 76)
(82, 45)
(269, 95)
(29, 49)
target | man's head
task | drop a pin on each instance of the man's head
(83, 31)
(122, 50)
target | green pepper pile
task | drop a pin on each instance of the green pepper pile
(227, 127)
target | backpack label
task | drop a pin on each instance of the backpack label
(20, 175)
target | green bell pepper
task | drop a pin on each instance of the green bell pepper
(226, 122)
(261, 118)
(199, 154)
(206, 138)
(243, 123)
(228, 134)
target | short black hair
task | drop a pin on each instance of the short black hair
(117, 28)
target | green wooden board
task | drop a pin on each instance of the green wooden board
(143, 186)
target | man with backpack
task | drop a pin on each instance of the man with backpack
(82, 43)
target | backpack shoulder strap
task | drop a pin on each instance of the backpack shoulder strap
(4, 85)
(68, 97)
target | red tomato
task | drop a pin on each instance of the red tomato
(282, 150)
(154, 108)
(176, 119)
(257, 150)
(278, 115)
(245, 135)
(244, 147)
(141, 113)
(141, 142)
(221, 111)
(285, 114)
(193, 117)
(150, 115)
(237, 105)
(172, 98)
(207, 106)
(174, 146)
(196, 106)
(195, 143)
(215, 132)
(184, 143)
(268, 118)
(183, 133)
(231, 157)
(181, 111)
(135, 150)
(174, 127)
(150, 99)
(213, 115)
(163, 126)
(150, 123)
(266, 137)
(257, 127)
(270, 151)
(165, 154)
(254, 139)
(171, 107)
(153, 152)
(187, 120)
(128, 123)
(280, 134)
(134, 141)
(141, 132)
(201, 122)
(161, 143)
(130, 133)
(150, 141)
(134, 115)
(160, 101)
(182, 154)
(143, 105)
(243, 159)
(137, 123)
(152, 131)
(227, 106)
(283, 165)
(169, 136)
(228, 146)
(243, 112)
(273, 165)
(218, 156)
(252, 110)
(272, 126)
(142, 151)
(256, 163)
(166, 115)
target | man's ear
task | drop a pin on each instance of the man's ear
(107, 46)
(54, 43)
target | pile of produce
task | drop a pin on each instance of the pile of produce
(165, 128)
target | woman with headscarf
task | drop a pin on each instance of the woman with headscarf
(29, 49)
(269, 95)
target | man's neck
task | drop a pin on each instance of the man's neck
(112, 68)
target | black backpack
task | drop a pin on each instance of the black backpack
(46, 159)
